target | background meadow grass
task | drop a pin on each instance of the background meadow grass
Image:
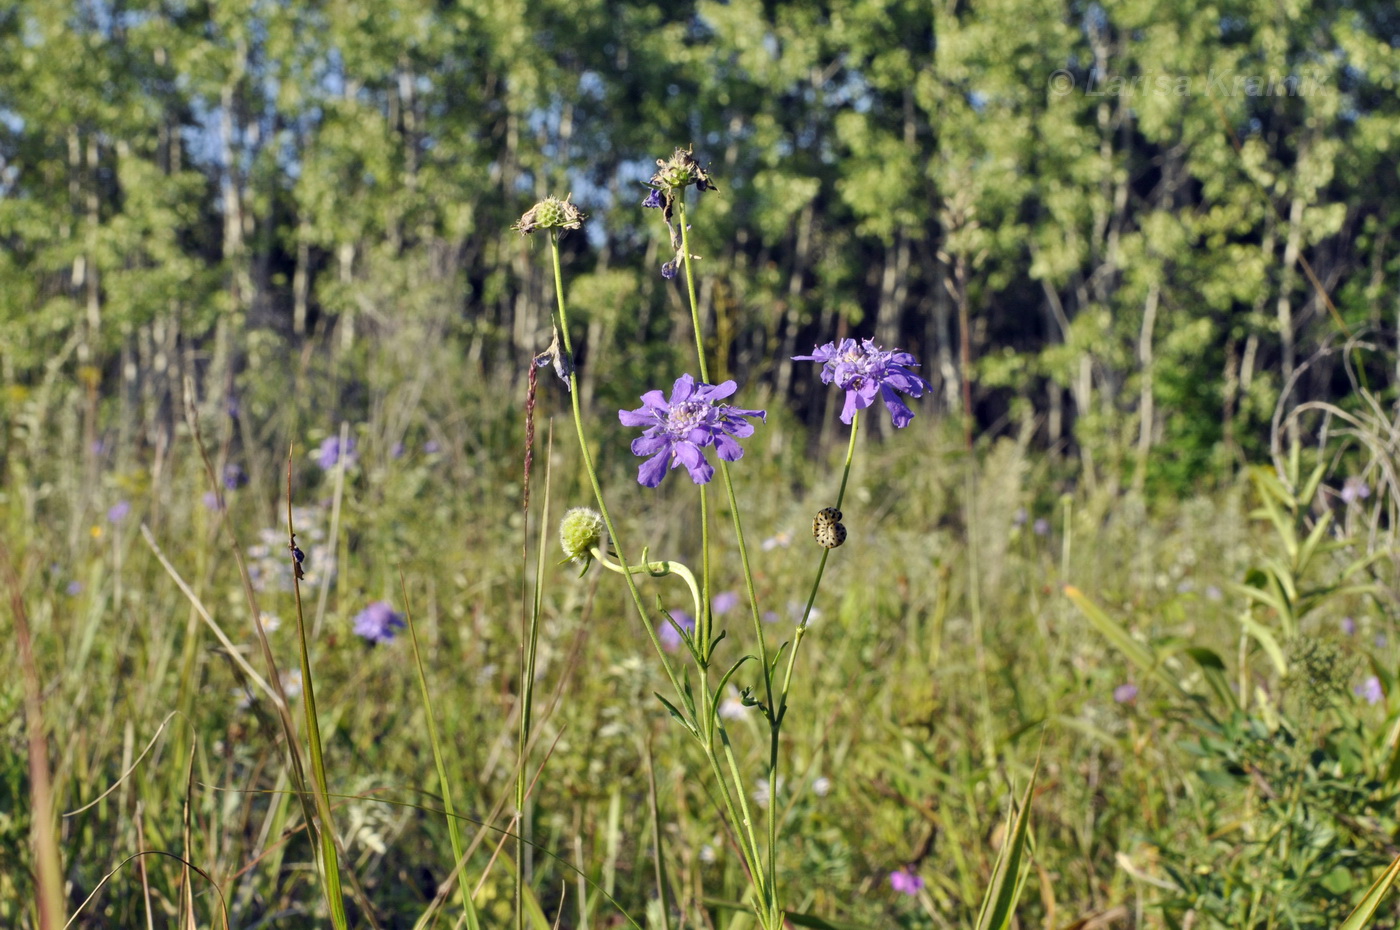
(943, 655)
(1133, 309)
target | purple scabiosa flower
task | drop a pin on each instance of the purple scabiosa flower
(906, 881)
(677, 430)
(1354, 489)
(1041, 527)
(724, 602)
(234, 476)
(118, 511)
(74, 588)
(653, 201)
(1125, 693)
(333, 453)
(1370, 689)
(668, 634)
(865, 371)
(1348, 626)
(378, 622)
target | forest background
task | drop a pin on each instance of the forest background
(1128, 241)
(1105, 228)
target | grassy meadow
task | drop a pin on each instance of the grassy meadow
(297, 388)
(1206, 756)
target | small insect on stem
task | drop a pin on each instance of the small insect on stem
(297, 558)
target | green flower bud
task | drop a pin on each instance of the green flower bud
(580, 531)
(550, 213)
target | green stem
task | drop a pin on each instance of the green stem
(821, 567)
(771, 876)
(329, 860)
(704, 618)
(750, 854)
(654, 569)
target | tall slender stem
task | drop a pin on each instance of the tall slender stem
(770, 900)
(749, 851)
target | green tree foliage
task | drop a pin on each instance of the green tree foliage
(1119, 230)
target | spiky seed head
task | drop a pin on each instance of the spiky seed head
(550, 213)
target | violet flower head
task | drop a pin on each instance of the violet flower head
(234, 476)
(118, 511)
(1125, 693)
(378, 623)
(679, 429)
(1354, 489)
(653, 200)
(906, 881)
(333, 453)
(1371, 690)
(865, 371)
(724, 602)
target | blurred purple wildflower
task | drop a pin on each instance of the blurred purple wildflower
(431, 447)
(332, 453)
(211, 500)
(1213, 592)
(724, 602)
(1381, 640)
(670, 269)
(653, 200)
(1020, 517)
(677, 430)
(866, 371)
(396, 450)
(1370, 689)
(1041, 527)
(1355, 489)
(1125, 693)
(668, 634)
(906, 881)
(118, 511)
(1348, 626)
(378, 622)
(234, 476)
(74, 588)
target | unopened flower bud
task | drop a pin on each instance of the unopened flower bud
(581, 531)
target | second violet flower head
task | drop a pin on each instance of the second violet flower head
(678, 429)
(865, 371)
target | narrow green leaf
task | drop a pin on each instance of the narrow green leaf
(1371, 903)
(999, 902)
(1266, 639)
(677, 714)
(1141, 656)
